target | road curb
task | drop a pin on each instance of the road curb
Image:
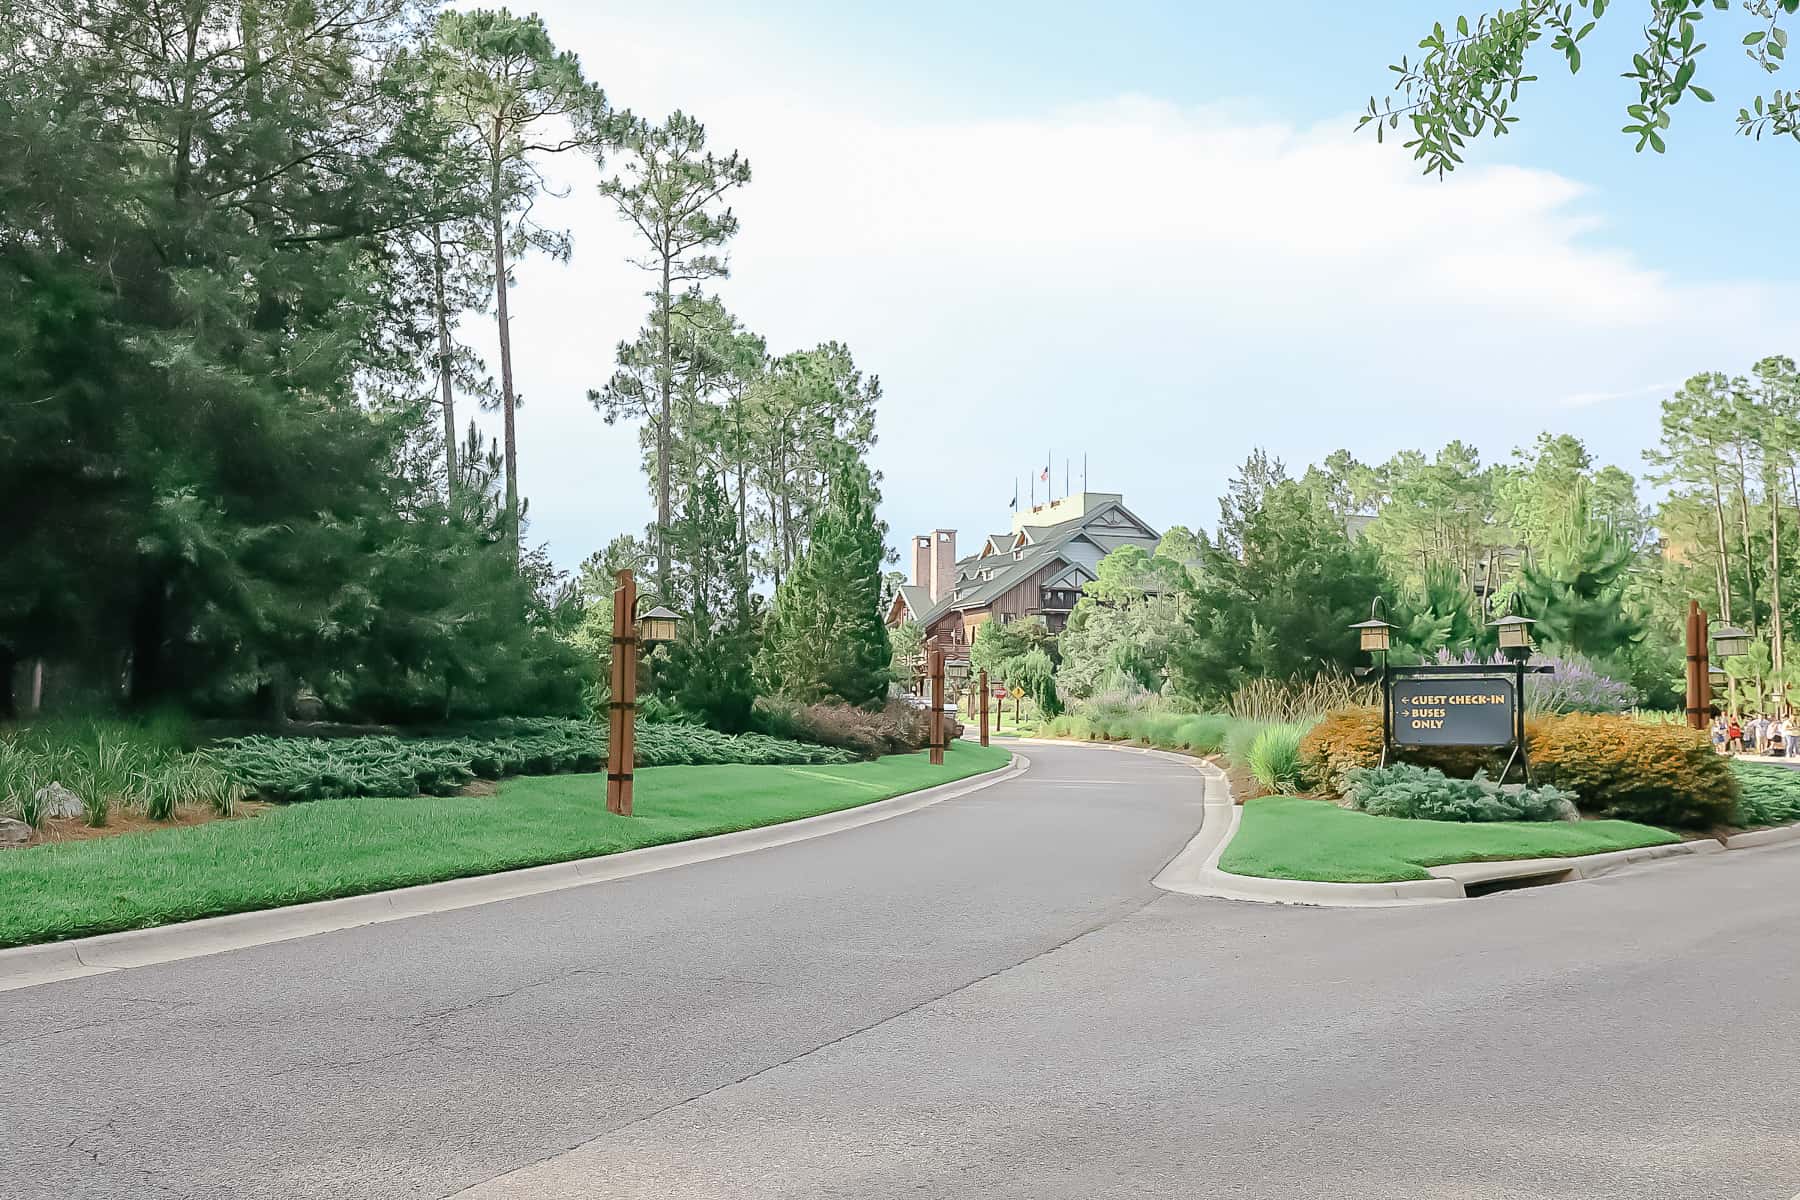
(51, 962)
(1763, 837)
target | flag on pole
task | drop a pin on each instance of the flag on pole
(1015, 500)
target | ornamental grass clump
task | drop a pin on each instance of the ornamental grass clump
(1427, 794)
(126, 765)
(1273, 758)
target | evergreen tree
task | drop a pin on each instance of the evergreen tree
(826, 637)
(1278, 604)
(514, 97)
(672, 192)
(709, 670)
(1576, 594)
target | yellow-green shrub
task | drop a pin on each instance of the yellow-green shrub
(1617, 767)
(1614, 766)
(1344, 740)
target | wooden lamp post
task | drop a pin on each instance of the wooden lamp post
(1729, 642)
(937, 706)
(984, 708)
(656, 627)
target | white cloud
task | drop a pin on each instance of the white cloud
(1161, 287)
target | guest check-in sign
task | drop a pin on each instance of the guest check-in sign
(1467, 711)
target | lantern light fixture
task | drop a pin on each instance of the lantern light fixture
(1729, 641)
(657, 626)
(1375, 634)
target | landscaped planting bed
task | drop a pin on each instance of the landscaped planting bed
(285, 769)
(290, 854)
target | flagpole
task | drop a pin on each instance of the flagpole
(1065, 476)
(1084, 470)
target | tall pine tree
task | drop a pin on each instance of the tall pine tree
(709, 671)
(826, 638)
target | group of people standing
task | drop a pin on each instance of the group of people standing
(1761, 734)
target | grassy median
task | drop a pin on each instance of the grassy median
(345, 847)
(1286, 838)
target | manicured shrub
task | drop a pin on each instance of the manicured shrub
(1657, 774)
(1344, 741)
(1351, 738)
(1425, 793)
(316, 768)
(1274, 757)
(1161, 728)
(1769, 795)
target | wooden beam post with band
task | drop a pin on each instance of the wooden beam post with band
(621, 730)
(937, 706)
(984, 708)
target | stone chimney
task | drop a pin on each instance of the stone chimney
(943, 563)
(921, 575)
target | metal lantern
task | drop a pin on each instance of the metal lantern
(1373, 634)
(1514, 632)
(1729, 641)
(658, 626)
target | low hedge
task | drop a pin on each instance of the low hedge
(1769, 795)
(1613, 766)
(1427, 794)
(283, 769)
(1201, 733)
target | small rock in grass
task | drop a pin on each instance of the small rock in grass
(12, 832)
(55, 800)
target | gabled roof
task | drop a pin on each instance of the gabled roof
(996, 543)
(912, 600)
(1078, 544)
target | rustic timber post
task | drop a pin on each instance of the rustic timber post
(621, 730)
(1699, 671)
(984, 708)
(937, 707)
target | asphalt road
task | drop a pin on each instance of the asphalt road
(982, 999)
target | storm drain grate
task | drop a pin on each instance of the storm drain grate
(1487, 887)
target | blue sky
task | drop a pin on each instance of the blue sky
(1145, 231)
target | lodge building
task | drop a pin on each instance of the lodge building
(1036, 570)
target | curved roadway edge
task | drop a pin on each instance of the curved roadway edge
(1196, 872)
(28, 966)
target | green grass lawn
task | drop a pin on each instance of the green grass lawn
(344, 847)
(1285, 838)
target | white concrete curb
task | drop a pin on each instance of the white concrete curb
(29, 966)
(1763, 837)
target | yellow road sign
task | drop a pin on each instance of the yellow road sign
(1018, 693)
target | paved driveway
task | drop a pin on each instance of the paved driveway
(984, 998)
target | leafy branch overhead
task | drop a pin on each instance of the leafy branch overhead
(1465, 82)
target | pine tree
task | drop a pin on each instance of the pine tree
(502, 82)
(826, 637)
(1577, 592)
(709, 670)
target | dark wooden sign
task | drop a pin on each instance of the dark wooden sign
(1452, 711)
